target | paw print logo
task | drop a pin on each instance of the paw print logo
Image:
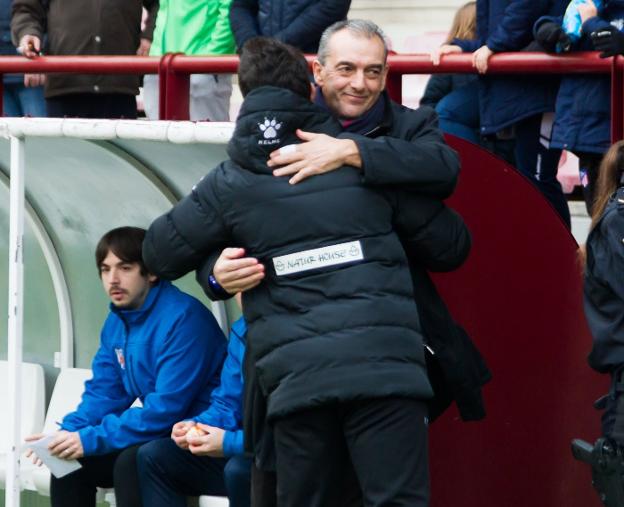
(269, 128)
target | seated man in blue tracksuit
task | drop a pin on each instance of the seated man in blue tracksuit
(204, 456)
(159, 345)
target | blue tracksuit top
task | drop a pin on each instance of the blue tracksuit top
(168, 354)
(226, 401)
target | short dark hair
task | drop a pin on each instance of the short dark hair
(126, 243)
(269, 62)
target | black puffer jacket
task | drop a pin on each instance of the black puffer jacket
(333, 332)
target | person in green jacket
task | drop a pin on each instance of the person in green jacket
(194, 27)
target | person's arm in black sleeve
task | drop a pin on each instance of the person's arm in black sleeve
(308, 26)
(28, 18)
(438, 87)
(179, 241)
(433, 235)
(244, 20)
(420, 160)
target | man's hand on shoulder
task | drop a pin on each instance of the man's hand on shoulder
(66, 445)
(30, 46)
(236, 273)
(318, 154)
(209, 444)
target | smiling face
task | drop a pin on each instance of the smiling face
(353, 74)
(124, 283)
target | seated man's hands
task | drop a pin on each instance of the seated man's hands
(210, 444)
(549, 35)
(609, 40)
(319, 154)
(179, 431)
(236, 273)
(444, 49)
(66, 445)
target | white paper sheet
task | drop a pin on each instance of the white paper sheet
(58, 467)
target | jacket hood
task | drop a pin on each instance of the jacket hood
(268, 120)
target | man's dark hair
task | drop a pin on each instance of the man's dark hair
(125, 242)
(269, 62)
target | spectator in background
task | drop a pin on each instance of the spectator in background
(194, 27)
(299, 23)
(455, 97)
(583, 110)
(88, 27)
(525, 105)
(22, 95)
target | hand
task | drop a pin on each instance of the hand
(319, 154)
(32, 80)
(179, 431)
(210, 444)
(587, 10)
(30, 46)
(66, 445)
(609, 40)
(237, 273)
(30, 453)
(444, 49)
(144, 47)
(481, 57)
(551, 35)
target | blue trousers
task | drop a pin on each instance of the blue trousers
(459, 113)
(22, 101)
(168, 474)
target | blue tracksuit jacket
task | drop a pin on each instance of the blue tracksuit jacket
(226, 402)
(168, 354)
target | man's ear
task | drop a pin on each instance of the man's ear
(317, 68)
(152, 278)
(384, 76)
(312, 92)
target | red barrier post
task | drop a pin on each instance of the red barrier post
(176, 92)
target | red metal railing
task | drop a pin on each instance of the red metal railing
(174, 71)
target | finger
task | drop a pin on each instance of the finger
(36, 436)
(38, 462)
(289, 169)
(238, 264)
(232, 253)
(301, 175)
(247, 283)
(307, 136)
(280, 159)
(234, 277)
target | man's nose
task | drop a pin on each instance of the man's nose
(114, 276)
(357, 81)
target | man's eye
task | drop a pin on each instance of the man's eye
(373, 73)
(344, 70)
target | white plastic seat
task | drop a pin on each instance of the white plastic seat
(32, 407)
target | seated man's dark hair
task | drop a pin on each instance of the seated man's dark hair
(125, 242)
(269, 62)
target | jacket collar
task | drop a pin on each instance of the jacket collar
(132, 317)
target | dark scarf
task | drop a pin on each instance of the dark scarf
(363, 125)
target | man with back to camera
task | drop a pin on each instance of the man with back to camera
(157, 344)
(337, 303)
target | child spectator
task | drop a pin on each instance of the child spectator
(583, 107)
(455, 97)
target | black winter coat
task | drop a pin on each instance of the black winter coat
(604, 287)
(299, 23)
(324, 332)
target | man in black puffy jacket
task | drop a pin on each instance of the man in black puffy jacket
(336, 342)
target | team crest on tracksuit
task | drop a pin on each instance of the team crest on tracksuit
(120, 358)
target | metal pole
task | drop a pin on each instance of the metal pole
(16, 318)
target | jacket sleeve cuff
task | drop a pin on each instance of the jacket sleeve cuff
(88, 440)
(233, 443)
(467, 46)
